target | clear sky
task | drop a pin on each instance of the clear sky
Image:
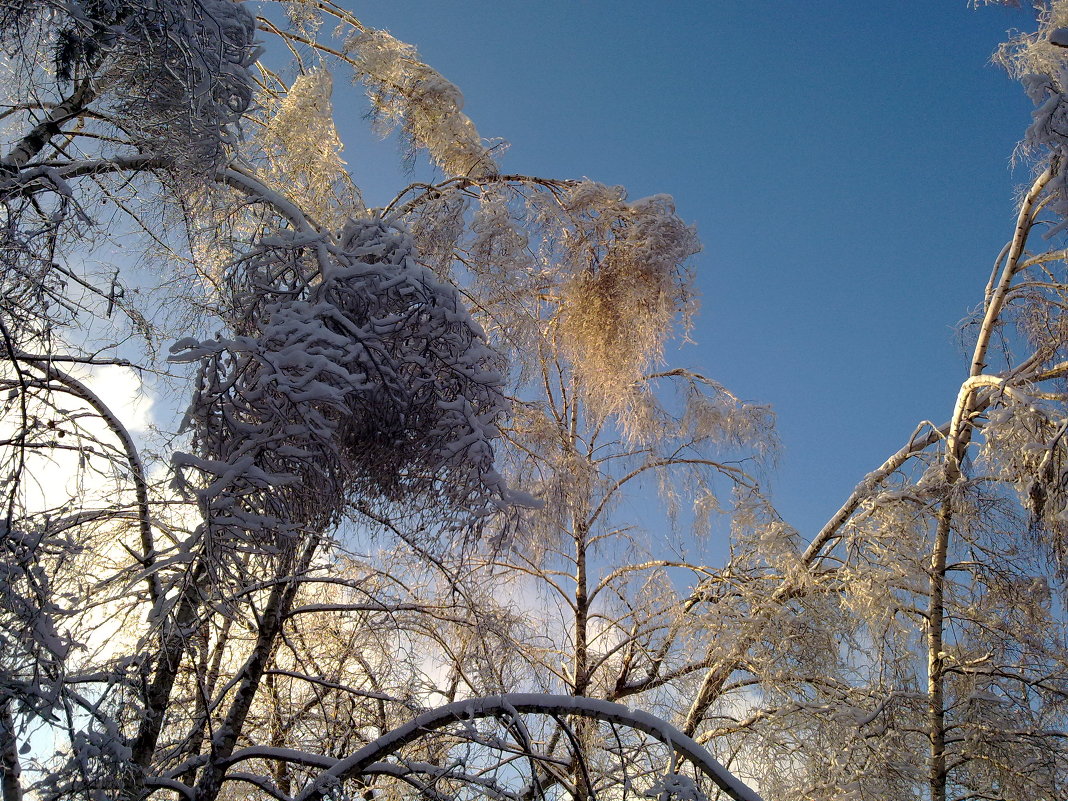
(847, 164)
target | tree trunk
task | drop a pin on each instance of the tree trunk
(581, 667)
(275, 612)
(10, 771)
(936, 704)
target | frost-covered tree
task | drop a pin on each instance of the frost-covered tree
(585, 318)
(177, 607)
(915, 646)
(185, 613)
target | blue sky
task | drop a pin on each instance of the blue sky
(847, 164)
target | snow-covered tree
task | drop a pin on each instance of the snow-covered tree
(915, 646)
(176, 603)
(475, 373)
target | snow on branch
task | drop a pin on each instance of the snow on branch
(511, 705)
(175, 72)
(1040, 62)
(364, 380)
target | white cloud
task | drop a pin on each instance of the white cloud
(122, 390)
(70, 468)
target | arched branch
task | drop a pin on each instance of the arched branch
(512, 703)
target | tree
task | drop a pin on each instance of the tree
(355, 369)
(164, 630)
(584, 319)
(915, 646)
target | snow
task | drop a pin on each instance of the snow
(284, 755)
(372, 381)
(513, 703)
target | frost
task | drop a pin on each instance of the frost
(304, 151)
(1040, 61)
(408, 94)
(628, 287)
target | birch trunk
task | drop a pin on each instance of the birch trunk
(957, 441)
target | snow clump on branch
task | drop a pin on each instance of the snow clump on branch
(176, 73)
(184, 80)
(365, 382)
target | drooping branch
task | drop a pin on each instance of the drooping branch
(1011, 266)
(509, 705)
(78, 389)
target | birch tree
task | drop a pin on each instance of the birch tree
(600, 417)
(583, 289)
(915, 645)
